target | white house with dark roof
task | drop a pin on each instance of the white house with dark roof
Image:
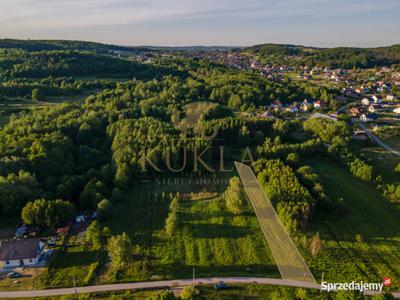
(376, 99)
(365, 101)
(20, 253)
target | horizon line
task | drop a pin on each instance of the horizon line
(199, 45)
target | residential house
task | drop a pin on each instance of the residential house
(383, 88)
(397, 110)
(292, 109)
(365, 101)
(391, 97)
(334, 77)
(362, 90)
(266, 114)
(354, 112)
(368, 117)
(305, 105)
(315, 71)
(376, 99)
(318, 104)
(371, 109)
(64, 230)
(79, 218)
(276, 105)
(21, 253)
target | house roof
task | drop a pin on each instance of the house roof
(19, 249)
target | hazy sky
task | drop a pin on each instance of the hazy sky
(205, 22)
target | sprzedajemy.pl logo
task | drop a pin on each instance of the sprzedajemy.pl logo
(356, 286)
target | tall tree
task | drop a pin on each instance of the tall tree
(234, 196)
(120, 250)
(37, 95)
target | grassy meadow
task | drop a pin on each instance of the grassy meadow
(209, 238)
(363, 244)
(383, 162)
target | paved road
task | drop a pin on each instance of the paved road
(375, 139)
(290, 263)
(161, 285)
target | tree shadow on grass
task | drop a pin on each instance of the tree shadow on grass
(67, 259)
(184, 215)
(384, 257)
(179, 270)
(213, 231)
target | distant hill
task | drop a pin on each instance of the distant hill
(340, 57)
(74, 63)
(39, 45)
(276, 49)
(193, 48)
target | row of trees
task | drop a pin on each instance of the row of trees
(293, 202)
(276, 149)
(47, 213)
(388, 132)
(51, 86)
(119, 247)
(171, 223)
(336, 136)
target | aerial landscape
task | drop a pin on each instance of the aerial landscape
(136, 164)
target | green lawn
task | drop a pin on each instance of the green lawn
(383, 162)
(71, 98)
(394, 142)
(4, 120)
(77, 261)
(366, 213)
(209, 238)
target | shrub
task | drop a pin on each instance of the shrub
(361, 170)
(188, 293)
(293, 159)
(397, 169)
(315, 245)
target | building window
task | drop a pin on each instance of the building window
(7, 262)
(30, 260)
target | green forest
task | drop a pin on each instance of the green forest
(341, 57)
